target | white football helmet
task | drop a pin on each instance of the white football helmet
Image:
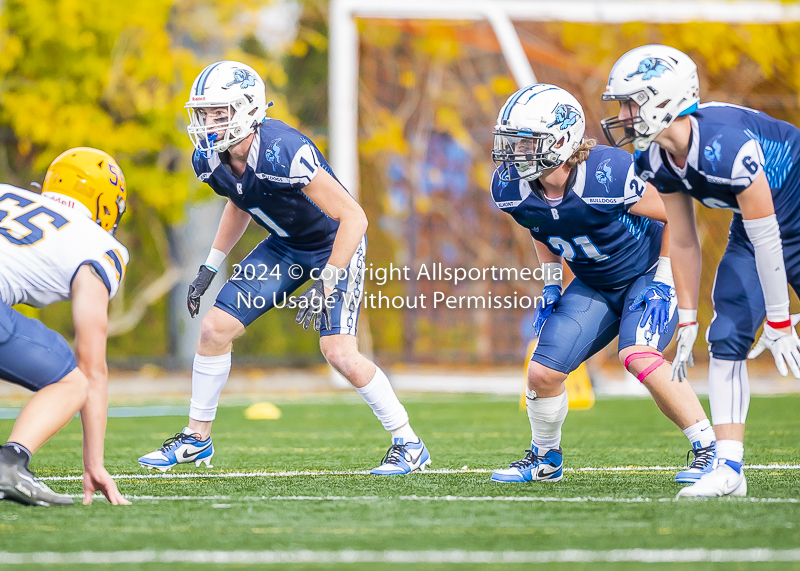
(538, 128)
(234, 87)
(662, 81)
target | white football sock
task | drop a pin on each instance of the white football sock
(406, 433)
(209, 375)
(546, 416)
(730, 450)
(700, 434)
(379, 395)
(728, 391)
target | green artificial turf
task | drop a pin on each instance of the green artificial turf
(480, 432)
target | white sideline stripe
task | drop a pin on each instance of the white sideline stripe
(584, 499)
(403, 557)
(278, 474)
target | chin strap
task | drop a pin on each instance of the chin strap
(645, 355)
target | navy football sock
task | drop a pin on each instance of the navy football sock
(14, 453)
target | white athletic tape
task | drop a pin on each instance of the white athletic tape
(289, 473)
(584, 499)
(453, 556)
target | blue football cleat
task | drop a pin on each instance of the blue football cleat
(183, 448)
(545, 468)
(403, 458)
(702, 464)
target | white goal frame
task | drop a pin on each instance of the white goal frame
(343, 42)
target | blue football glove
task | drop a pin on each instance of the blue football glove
(655, 298)
(550, 296)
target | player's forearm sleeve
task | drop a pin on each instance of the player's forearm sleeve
(765, 235)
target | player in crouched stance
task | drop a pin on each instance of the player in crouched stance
(723, 156)
(583, 204)
(54, 247)
(275, 175)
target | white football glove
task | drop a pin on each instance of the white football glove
(784, 347)
(687, 334)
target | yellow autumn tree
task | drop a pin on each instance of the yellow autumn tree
(115, 75)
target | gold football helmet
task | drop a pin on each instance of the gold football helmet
(92, 178)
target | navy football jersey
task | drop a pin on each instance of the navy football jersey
(282, 161)
(730, 147)
(604, 245)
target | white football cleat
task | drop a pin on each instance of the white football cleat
(726, 479)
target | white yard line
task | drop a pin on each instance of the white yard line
(266, 474)
(543, 499)
(455, 556)
(120, 411)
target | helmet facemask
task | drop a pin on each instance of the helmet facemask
(226, 129)
(634, 127)
(529, 153)
(121, 206)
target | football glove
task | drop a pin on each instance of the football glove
(198, 287)
(783, 346)
(315, 304)
(687, 334)
(550, 296)
(655, 298)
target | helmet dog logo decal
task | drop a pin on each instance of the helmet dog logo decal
(566, 116)
(242, 78)
(651, 67)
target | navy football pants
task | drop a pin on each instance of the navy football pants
(275, 269)
(586, 319)
(31, 355)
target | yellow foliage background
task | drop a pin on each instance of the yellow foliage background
(116, 75)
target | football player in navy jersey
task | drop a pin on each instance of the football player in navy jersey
(583, 204)
(274, 175)
(724, 156)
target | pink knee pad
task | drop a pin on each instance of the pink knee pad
(645, 355)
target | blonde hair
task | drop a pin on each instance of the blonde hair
(581, 153)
